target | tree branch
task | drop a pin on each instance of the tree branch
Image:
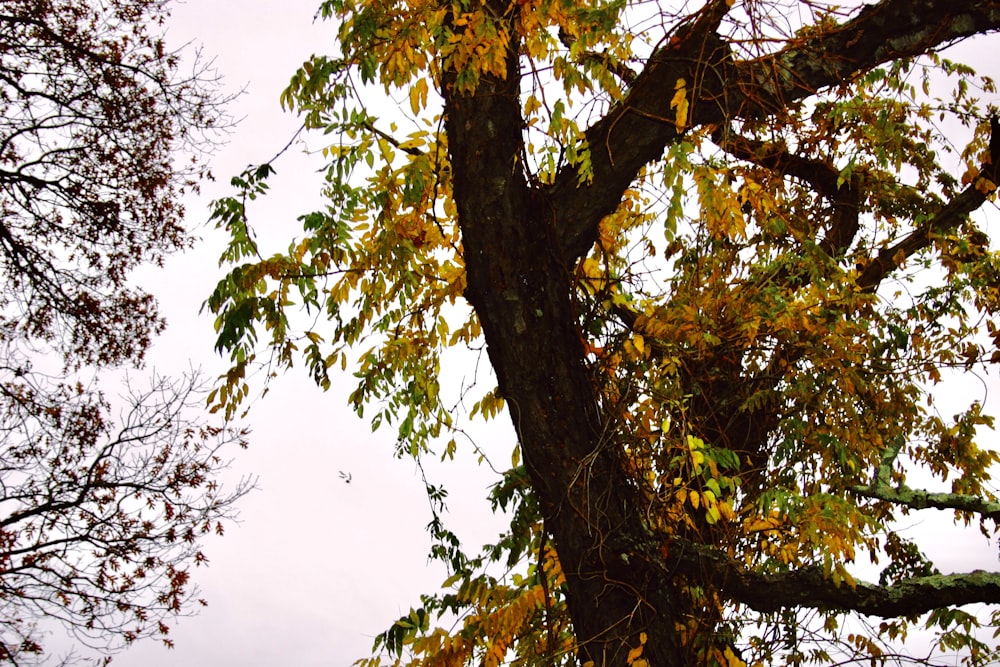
(947, 218)
(918, 499)
(624, 73)
(810, 588)
(638, 130)
(822, 176)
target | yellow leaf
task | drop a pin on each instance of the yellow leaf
(712, 515)
(531, 105)
(697, 458)
(680, 102)
(695, 442)
(970, 175)
(418, 95)
(985, 185)
(640, 344)
(412, 144)
(732, 660)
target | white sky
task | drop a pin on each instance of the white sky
(318, 566)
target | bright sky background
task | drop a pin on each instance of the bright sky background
(317, 566)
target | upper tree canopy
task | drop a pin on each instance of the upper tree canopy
(719, 253)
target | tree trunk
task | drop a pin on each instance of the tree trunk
(520, 288)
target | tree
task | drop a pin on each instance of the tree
(719, 258)
(98, 530)
(93, 110)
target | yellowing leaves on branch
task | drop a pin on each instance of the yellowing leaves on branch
(720, 256)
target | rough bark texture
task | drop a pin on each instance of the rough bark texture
(521, 290)
(521, 242)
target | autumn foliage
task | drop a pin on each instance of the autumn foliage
(722, 257)
(101, 518)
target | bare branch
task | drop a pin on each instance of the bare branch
(98, 530)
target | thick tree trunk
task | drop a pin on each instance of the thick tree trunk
(522, 293)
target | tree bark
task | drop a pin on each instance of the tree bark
(521, 242)
(523, 295)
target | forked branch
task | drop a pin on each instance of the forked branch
(638, 130)
(918, 499)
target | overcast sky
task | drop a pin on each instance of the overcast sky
(318, 566)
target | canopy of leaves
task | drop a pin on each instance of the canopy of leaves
(99, 528)
(719, 254)
(92, 111)
(99, 524)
